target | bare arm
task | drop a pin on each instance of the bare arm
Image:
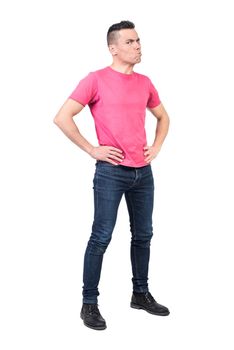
(64, 120)
(163, 122)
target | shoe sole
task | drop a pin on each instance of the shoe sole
(100, 328)
(138, 307)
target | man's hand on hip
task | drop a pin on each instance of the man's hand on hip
(108, 154)
(150, 152)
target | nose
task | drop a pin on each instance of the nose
(137, 45)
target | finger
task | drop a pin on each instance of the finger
(111, 161)
(146, 147)
(112, 156)
(116, 154)
(115, 149)
(146, 153)
(148, 159)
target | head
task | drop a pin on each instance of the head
(124, 43)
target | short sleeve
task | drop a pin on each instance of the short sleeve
(154, 99)
(86, 90)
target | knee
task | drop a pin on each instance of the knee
(140, 243)
(96, 248)
(99, 242)
(101, 234)
(142, 240)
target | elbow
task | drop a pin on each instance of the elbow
(164, 118)
(168, 119)
(61, 119)
(55, 120)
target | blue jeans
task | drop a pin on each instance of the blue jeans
(110, 183)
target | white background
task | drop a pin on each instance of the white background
(46, 181)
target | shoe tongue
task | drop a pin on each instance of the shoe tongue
(149, 297)
(93, 308)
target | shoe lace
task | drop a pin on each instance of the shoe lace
(149, 298)
(93, 309)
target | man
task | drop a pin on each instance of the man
(118, 97)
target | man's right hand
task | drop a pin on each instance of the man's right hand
(108, 154)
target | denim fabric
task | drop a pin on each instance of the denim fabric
(110, 183)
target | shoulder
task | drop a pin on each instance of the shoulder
(90, 78)
(143, 78)
(98, 72)
(94, 76)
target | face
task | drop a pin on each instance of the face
(127, 48)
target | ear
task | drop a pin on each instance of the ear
(113, 49)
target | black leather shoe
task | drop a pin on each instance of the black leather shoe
(146, 302)
(91, 317)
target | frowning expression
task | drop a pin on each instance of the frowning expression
(127, 47)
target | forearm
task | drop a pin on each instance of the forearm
(161, 132)
(70, 129)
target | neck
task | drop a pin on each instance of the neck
(122, 68)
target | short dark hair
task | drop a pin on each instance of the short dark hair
(112, 31)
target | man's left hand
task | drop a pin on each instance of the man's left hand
(150, 152)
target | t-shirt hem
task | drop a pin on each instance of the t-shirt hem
(133, 165)
(79, 101)
(154, 106)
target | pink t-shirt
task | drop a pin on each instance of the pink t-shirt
(118, 105)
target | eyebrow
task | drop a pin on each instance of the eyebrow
(138, 39)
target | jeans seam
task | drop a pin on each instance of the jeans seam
(133, 234)
(95, 190)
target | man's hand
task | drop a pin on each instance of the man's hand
(108, 154)
(150, 152)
